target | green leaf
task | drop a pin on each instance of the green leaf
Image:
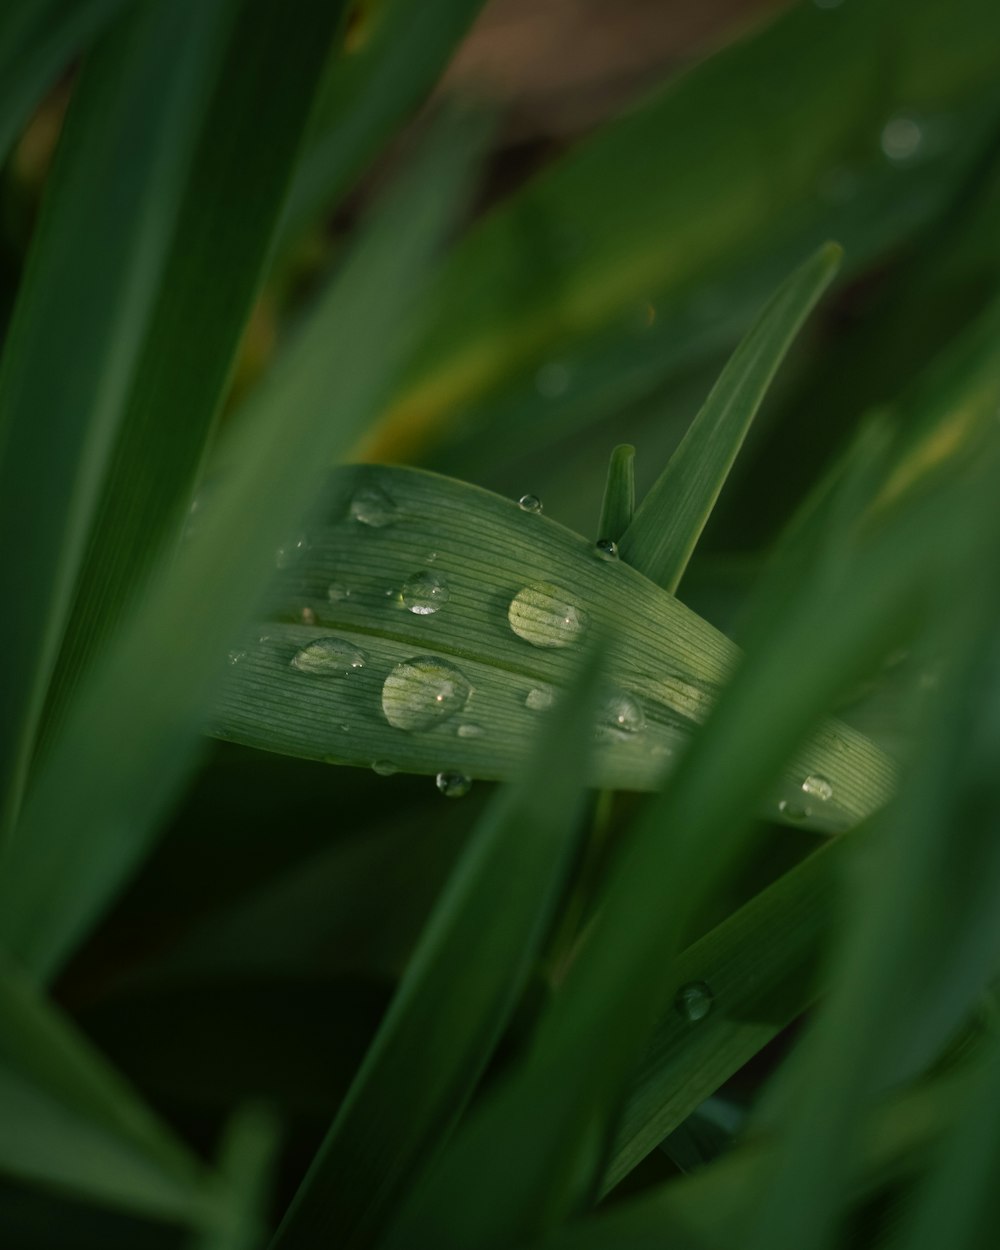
(232, 196)
(671, 517)
(78, 328)
(131, 735)
(618, 504)
(246, 1163)
(499, 600)
(460, 987)
(71, 1122)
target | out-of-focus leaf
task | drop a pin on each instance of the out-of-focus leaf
(618, 504)
(246, 1162)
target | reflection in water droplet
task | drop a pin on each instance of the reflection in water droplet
(606, 548)
(423, 692)
(290, 553)
(620, 715)
(818, 787)
(329, 657)
(470, 731)
(370, 505)
(901, 139)
(694, 1001)
(236, 656)
(540, 615)
(539, 700)
(793, 811)
(384, 768)
(552, 379)
(425, 593)
(529, 503)
(307, 616)
(453, 785)
(336, 592)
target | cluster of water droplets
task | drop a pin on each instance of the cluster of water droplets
(817, 790)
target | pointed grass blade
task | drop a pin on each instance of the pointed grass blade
(618, 504)
(246, 1163)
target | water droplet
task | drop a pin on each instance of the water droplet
(470, 731)
(902, 138)
(453, 785)
(307, 616)
(539, 700)
(336, 592)
(431, 557)
(694, 1001)
(425, 593)
(384, 768)
(329, 657)
(529, 503)
(370, 505)
(422, 692)
(818, 787)
(290, 553)
(552, 379)
(793, 811)
(540, 615)
(236, 656)
(606, 548)
(620, 715)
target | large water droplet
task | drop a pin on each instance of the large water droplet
(425, 593)
(539, 700)
(529, 503)
(370, 505)
(818, 787)
(469, 730)
(292, 552)
(694, 1001)
(620, 715)
(902, 138)
(453, 785)
(329, 657)
(422, 692)
(794, 811)
(606, 548)
(541, 615)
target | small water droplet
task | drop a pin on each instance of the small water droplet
(529, 503)
(620, 716)
(236, 656)
(425, 593)
(539, 700)
(606, 548)
(694, 1001)
(431, 557)
(902, 138)
(794, 811)
(540, 615)
(469, 730)
(307, 616)
(552, 379)
(336, 592)
(422, 692)
(290, 553)
(453, 785)
(384, 768)
(818, 787)
(371, 506)
(329, 657)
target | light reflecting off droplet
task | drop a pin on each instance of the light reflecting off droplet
(307, 616)
(329, 657)
(337, 592)
(290, 553)
(529, 503)
(423, 692)
(539, 700)
(235, 657)
(370, 505)
(902, 138)
(694, 1001)
(606, 548)
(453, 785)
(552, 379)
(620, 715)
(384, 768)
(469, 730)
(794, 811)
(425, 593)
(818, 787)
(542, 616)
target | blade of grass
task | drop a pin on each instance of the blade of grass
(247, 1158)
(464, 979)
(669, 521)
(77, 330)
(131, 736)
(249, 144)
(618, 504)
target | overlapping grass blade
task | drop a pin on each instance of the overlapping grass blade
(463, 981)
(247, 1158)
(618, 504)
(71, 1122)
(130, 737)
(233, 194)
(78, 327)
(37, 40)
(669, 521)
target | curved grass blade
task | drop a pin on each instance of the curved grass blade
(78, 328)
(669, 521)
(618, 504)
(246, 1163)
(248, 147)
(131, 734)
(402, 572)
(464, 979)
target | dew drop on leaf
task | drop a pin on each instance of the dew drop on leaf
(620, 715)
(468, 730)
(793, 811)
(423, 692)
(425, 593)
(694, 1001)
(818, 787)
(329, 657)
(539, 700)
(606, 548)
(384, 768)
(541, 615)
(371, 506)
(529, 503)
(290, 553)
(235, 657)
(336, 592)
(453, 785)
